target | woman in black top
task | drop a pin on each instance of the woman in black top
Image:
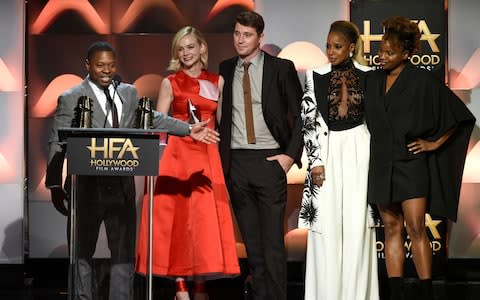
(420, 132)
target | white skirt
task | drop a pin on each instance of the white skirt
(341, 253)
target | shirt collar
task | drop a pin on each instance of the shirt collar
(96, 88)
(256, 61)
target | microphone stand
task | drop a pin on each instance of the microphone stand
(109, 110)
(144, 122)
(115, 83)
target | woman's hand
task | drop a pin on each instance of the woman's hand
(420, 145)
(318, 175)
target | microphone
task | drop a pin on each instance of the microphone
(117, 79)
(107, 113)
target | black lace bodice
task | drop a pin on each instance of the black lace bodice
(345, 98)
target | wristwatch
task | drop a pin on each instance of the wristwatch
(190, 129)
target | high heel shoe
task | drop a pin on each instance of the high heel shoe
(199, 291)
(181, 290)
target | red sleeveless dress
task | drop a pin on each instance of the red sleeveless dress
(193, 231)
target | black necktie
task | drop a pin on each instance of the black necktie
(110, 101)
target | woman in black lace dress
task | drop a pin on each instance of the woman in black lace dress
(341, 253)
(420, 133)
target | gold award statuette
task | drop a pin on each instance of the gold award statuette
(144, 114)
(84, 110)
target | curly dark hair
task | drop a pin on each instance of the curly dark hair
(402, 32)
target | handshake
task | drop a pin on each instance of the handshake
(198, 129)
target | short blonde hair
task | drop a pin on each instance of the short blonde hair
(175, 63)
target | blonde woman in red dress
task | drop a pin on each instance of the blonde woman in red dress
(193, 237)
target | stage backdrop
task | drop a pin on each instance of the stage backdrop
(464, 75)
(12, 109)
(58, 33)
(431, 18)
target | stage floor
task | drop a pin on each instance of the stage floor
(46, 279)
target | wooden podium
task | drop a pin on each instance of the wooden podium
(111, 152)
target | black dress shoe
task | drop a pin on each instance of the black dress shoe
(247, 291)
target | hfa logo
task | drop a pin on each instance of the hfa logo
(115, 154)
(111, 146)
(436, 242)
(426, 35)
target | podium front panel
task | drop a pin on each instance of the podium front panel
(113, 152)
(113, 156)
(102, 163)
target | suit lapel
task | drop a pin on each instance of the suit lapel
(124, 119)
(268, 72)
(98, 118)
(320, 83)
(381, 102)
(398, 87)
(380, 91)
(227, 104)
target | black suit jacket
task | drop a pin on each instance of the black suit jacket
(281, 97)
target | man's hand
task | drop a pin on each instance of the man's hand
(283, 160)
(59, 198)
(202, 133)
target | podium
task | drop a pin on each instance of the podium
(110, 152)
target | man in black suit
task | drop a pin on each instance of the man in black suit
(260, 129)
(110, 199)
